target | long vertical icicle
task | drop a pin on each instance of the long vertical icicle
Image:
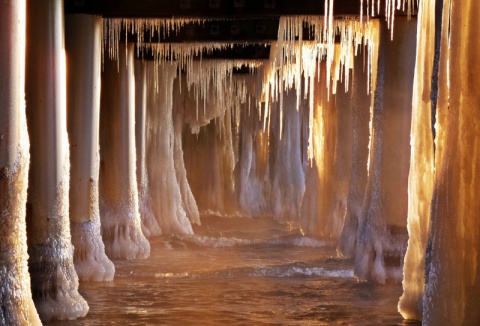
(420, 183)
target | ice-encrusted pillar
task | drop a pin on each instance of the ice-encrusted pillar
(53, 276)
(317, 214)
(452, 291)
(252, 167)
(149, 223)
(121, 224)
(360, 101)
(83, 45)
(288, 174)
(165, 190)
(189, 202)
(420, 180)
(381, 233)
(16, 302)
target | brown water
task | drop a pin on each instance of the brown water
(261, 275)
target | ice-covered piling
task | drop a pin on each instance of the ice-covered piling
(17, 307)
(252, 169)
(164, 187)
(317, 216)
(83, 45)
(359, 109)
(452, 290)
(188, 200)
(421, 176)
(287, 167)
(150, 226)
(381, 233)
(53, 276)
(121, 224)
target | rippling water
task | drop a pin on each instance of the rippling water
(261, 275)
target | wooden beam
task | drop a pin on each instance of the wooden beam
(226, 9)
(237, 31)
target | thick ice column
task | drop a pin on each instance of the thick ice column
(288, 173)
(189, 202)
(54, 280)
(360, 101)
(382, 236)
(121, 224)
(253, 168)
(83, 44)
(317, 216)
(165, 191)
(452, 292)
(343, 156)
(15, 293)
(420, 181)
(210, 161)
(150, 226)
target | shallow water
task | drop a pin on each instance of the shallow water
(262, 275)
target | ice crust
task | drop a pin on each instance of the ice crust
(150, 226)
(453, 250)
(164, 187)
(119, 208)
(15, 287)
(421, 176)
(84, 32)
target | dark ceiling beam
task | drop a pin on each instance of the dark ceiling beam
(227, 9)
(237, 31)
(219, 9)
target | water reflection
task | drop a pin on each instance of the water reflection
(264, 277)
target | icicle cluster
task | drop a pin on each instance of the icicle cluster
(212, 82)
(113, 28)
(374, 6)
(295, 62)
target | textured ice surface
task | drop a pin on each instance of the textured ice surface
(452, 289)
(53, 276)
(89, 257)
(121, 224)
(83, 44)
(359, 109)
(421, 174)
(149, 223)
(16, 302)
(164, 187)
(381, 229)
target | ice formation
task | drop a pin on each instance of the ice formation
(164, 187)
(294, 61)
(452, 274)
(252, 177)
(421, 176)
(380, 234)
(149, 223)
(83, 45)
(288, 174)
(359, 109)
(121, 224)
(188, 200)
(142, 27)
(317, 215)
(217, 124)
(15, 292)
(53, 276)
